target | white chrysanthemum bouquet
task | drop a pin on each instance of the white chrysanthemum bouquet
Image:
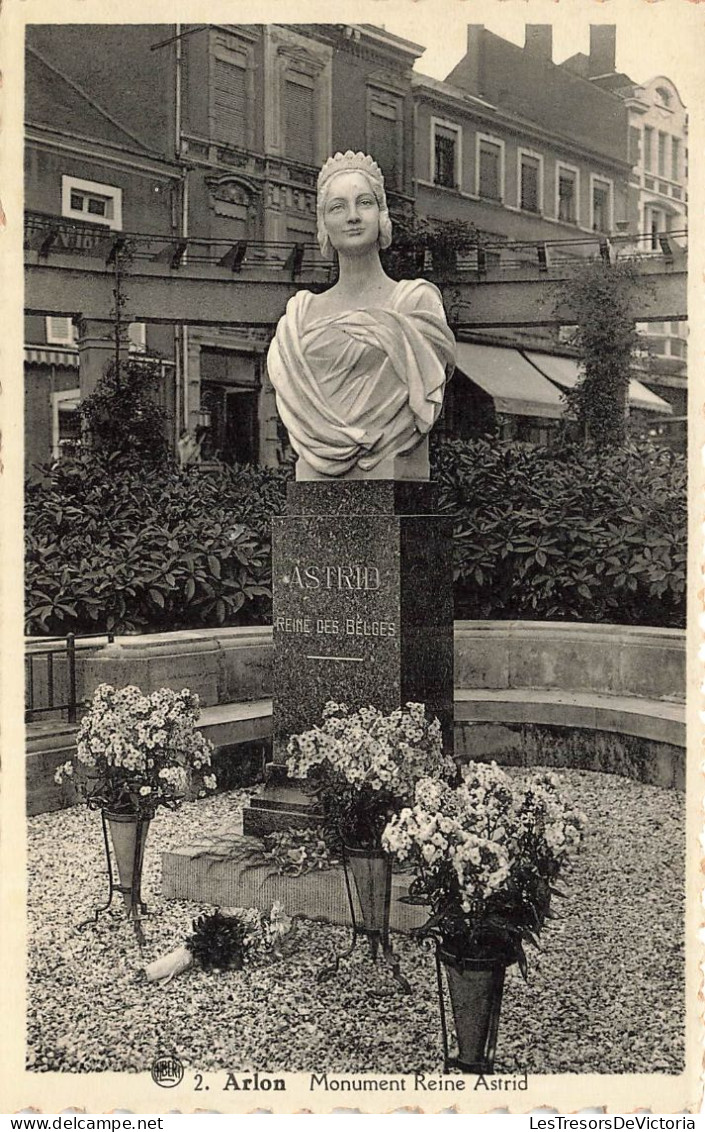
(487, 854)
(137, 752)
(363, 766)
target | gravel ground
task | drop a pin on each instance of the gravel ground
(605, 993)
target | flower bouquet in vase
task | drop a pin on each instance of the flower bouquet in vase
(362, 767)
(486, 855)
(134, 754)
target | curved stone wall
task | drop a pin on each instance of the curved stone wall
(613, 660)
(226, 665)
(605, 697)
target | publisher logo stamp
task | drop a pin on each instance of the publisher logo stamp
(167, 1071)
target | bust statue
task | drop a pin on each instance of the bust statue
(359, 371)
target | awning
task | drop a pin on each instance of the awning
(513, 383)
(43, 356)
(565, 372)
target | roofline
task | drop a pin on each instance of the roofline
(95, 148)
(373, 38)
(517, 123)
(442, 87)
(388, 37)
(666, 79)
(87, 98)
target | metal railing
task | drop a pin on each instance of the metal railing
(45, 234)
(43, 658)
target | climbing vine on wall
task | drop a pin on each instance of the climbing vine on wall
(601, 297)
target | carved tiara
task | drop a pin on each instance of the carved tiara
(347, 162)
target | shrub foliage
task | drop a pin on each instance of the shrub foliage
(122, 415)
(110, 547)
(568, 533)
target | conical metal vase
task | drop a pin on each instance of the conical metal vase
(475, 989)
(371, 871)
(128, 833)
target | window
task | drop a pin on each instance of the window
(567, 192)
(66, 422)
(656, 222)
(601, 205)
(490, 169)
(230, 96)
(384, 135)
(530, 182)
(294, 74)
(634, 145)
(60, 331)
(675, 159)
(300, 118)
(137, 337)
(445, 154)
(91, 202)
(648, 148)
(662, 141)
(663, 96)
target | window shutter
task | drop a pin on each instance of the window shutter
(445, 142)
(383, 143)
(600, 208)
(530, 184)
(299, 122)
(566, 197)
(230, 102)
(489, 171)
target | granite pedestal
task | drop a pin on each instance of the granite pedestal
(362, 614)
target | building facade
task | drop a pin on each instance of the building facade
(211, 136)
(530, 152)
(658, 197)
(215, 132)
(91, 172)
(262, 108)
(540, 157)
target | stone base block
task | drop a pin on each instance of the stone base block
(221, 872)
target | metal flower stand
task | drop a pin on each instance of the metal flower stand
(372, 879)
(129, 834)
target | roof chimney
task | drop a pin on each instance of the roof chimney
(539, 41)
(602, 50)
(474, 56)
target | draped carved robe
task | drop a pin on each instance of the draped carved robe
(361, 387)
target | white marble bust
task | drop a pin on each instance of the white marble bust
(359, 371)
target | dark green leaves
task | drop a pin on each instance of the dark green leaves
(566, 533)
(111, 545)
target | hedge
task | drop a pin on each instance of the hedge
(109, 547)
(540, 533)
(566, 533)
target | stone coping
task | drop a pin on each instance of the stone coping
(573, 628)
(658, 720)
(262, 634)
(235, 664)
(648, 719)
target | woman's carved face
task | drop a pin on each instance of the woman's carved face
(351, 214)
